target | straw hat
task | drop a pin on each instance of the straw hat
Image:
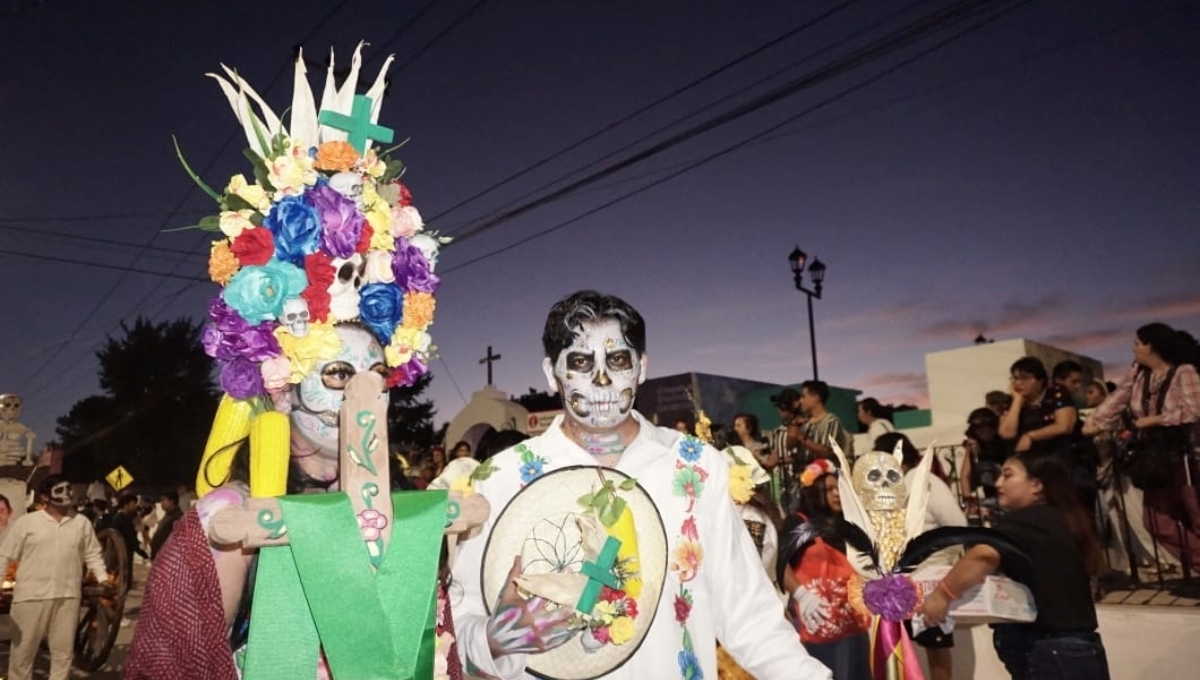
(556, 527)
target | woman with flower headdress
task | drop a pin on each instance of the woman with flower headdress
(815, 570)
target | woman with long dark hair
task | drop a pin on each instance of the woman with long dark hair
(815, 571)
(1161, 394)
(1044, 519)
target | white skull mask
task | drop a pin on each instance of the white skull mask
(350, 185)
(879, 481)
(10, 407)
(343, 292)
(295, 316)
(317, 399)
(597, 375)
(428, 246)
(60, 494)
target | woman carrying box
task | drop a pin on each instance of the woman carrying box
(1045, 520)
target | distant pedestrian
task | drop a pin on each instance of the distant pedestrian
(50, 545)
(171, 513)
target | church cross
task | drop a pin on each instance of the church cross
(357, 125)
(489, 360)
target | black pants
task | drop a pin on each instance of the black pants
(1030, 654)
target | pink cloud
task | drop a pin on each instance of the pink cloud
(1089, 339)
(1164, 307)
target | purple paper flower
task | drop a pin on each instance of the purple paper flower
(241, 378)
(893, 597)
(340, 220)
(296, 228)
(411, 269)
(228, 335)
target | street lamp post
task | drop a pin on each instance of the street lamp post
(798, 258)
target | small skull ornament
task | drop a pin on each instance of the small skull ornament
(350, 185)
(879, 481)
(343, 292)
(10, 407)
(295, 316)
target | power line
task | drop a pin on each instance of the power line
(95, 239)
(652, 105)
(746, 142)
(709, 106)
(100, 265)
(898, 40)
(175, 210)
(97, 217)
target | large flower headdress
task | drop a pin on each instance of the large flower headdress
(325, 233)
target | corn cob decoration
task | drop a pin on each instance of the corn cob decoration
(231, 425)
(270, 447)
(625, 531)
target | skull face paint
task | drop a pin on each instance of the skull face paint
(60, 494)
(317, 399)
(597, 375)
(880, 483)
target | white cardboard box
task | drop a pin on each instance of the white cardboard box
(997, 600)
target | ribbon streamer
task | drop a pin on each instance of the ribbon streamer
(892, 653)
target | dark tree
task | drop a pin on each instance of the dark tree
(410, 419)
(535, 400)
(155, 411)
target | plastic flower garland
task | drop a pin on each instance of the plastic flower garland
(815, 470)
(325, 234)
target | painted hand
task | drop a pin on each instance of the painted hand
(814, 611)
(520, 626)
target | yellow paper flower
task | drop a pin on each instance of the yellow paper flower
(379, 215)
(250, 193)
(291, 171)
(621, 630)
(605, 612)
(741, 486)
(418, 310)
(372, 165)
(404, 342)
(222, 263)
(321, 342)
(234, 222)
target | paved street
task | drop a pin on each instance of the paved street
(112, 669)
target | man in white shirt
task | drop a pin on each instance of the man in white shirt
(51, 546)
(716, 589)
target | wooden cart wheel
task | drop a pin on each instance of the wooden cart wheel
(100, 613)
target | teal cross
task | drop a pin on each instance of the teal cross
(599, 573)
(358, 124)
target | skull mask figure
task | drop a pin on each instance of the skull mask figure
(597, 375)
(350, 185)
(343, 292)
(879, 481)
(10, 407)
(295, 316)
(60, 494)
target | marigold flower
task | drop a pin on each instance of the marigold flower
(418, 310)
(337, 156)
(222, 263)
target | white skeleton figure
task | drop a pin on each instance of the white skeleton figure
(316, 400)
(879, 482)
(343, 292)
(350, 185)
(16, 440)
(295, 316)
(597, 375)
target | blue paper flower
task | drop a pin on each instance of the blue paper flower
(296, 228)
(691, 448)
(381, 306)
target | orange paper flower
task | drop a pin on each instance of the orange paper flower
(336, 156)
(222, 263)
(418, 310)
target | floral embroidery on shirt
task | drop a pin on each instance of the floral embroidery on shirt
(532, 465)
(688, 554)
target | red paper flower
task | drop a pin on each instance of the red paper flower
(631, 609)
(254, 247)
(319, 268)
(610, 595)
(364, 238)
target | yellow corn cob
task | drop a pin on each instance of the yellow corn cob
(231, 425)
(269, 451)
(625, 531)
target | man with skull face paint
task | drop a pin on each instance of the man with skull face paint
(51, 546)
(595, 359)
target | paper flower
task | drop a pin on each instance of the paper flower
(621, 630)
(894, 597)
(341, 223)
(257, 293)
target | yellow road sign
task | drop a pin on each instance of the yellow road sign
(119, 478)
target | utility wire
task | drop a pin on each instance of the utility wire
(100, 265)
(441, 35)
(96, 239)
(746, 142)
(652, 105)
(39, 370)
(706, 108)
(902, 38)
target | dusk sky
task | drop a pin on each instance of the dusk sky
(1037, 177)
